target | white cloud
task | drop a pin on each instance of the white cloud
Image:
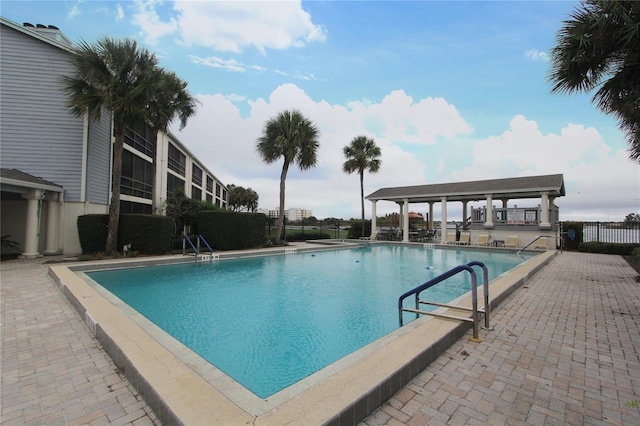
(536, 55)
(75, 10)
(119, 12)
(226, 142)
(230, 25)
(601, 184)
(216, 62)
(152, 28)
(598, 180)
(233, 97)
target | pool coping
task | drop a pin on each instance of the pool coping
(346, 395)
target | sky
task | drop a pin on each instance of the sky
(451, 91)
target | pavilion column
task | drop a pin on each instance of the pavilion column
(553, 218)
(52, 239)
(488, 221)
(405, 221)
(504, 203)
(443, 225)
(544, 211)
(32, 233)
(373, 216)
(464, 213)
(430, 225)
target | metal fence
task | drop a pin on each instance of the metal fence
(611, 232)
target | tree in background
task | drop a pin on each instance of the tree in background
(294, 138)
(242, 198)
(599, 46)
(632, 218)
(362, 155)
(169, 99)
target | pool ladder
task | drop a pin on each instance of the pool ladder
(196, 248)
(475, 312)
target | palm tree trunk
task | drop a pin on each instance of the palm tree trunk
(114, 208)
(362, 199)
(283, 178)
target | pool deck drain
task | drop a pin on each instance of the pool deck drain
(32, 377)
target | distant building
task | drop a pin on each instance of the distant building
(56, 166)
(294, 214)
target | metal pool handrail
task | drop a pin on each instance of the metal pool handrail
(531, 243)
(196, 250)
(474, 298)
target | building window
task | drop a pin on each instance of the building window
(174, 184)
(224, 195)
(196, 193)
(209, 198)
(196, 175)
(217, 190)
(209, 184)
(137, 176)
(137, 208)
(141, 139)
(177, 160)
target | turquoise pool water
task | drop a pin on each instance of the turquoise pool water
(268, 322)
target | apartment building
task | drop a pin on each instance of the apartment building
(55, 166)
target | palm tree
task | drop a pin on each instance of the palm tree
(599, 47)
(170, 99)
(114, 75)
(362, 154)
(293, 137)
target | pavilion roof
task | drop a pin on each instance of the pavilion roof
(510, 188)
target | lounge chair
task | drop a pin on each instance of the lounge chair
(372, 237)
(540, 244)
(465, 238)
(451, 238)
(512, 241)
(483, 240)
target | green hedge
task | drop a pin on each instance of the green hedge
(608, 248)
(225, 230)
(148, 234)
(92, 230)
(572, 229)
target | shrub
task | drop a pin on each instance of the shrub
(225, 230)
(148, 234)
(608, 248)
(92, 230)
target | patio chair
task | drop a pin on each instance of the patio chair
(372, 237)
(451, 238)
(512, 241)
(483, 240)
(465, 238)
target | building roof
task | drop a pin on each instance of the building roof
(511, 188)
(13, 180)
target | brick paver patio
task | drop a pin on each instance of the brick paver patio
(54, 372)
(565, 350)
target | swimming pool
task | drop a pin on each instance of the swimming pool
(271, 321)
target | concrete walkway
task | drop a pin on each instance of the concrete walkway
(565, 350)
